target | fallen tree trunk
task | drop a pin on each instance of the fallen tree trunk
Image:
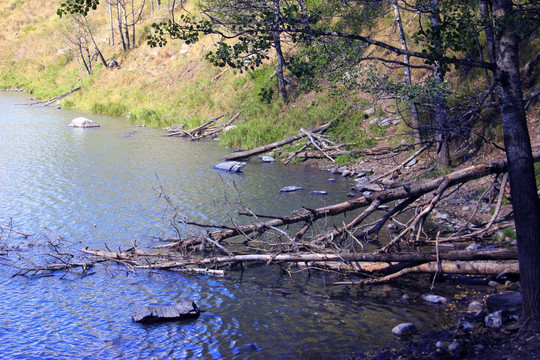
(401, 192)
(447, 267)
(262, 149)
(416, 257)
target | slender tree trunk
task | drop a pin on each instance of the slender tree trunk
(490, 36)
(524, 194)
(111, 39)
(126, 26)
(441, 120)
(280, 67)
(89, 31)
(88, 69)
(121, 26)
(407, 71)
(132, 23)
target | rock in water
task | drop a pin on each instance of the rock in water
(179, 311)
(404, 329)
(290, 188)
(82, 122)
(434, 299)
(232, 166)
(267, 159)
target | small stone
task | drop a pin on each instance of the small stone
(467, 326)
(494, 320)
(404, 329)
(439, 345)
(466, 208)
(453, 347)
(319, 192)
(493, 284)
(290, 188)
(332, 180)
(267, 159)
(434, 299)
(404, 298)
(346, 173)
(475, 307)
(472, 247)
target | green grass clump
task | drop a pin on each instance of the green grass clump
(109, 108)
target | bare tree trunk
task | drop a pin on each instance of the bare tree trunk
(441, 120)
(126, 26)
(407, 71)
(132, 23)
(279, 53)
(121, 26)
(86, 66)
(111, 39)
(490, 37)
(89, 30)
(523, 188)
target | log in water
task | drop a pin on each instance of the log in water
(180, 311)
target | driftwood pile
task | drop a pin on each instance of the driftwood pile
(270, 240)
(208, 130)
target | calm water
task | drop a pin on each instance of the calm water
(101, 188)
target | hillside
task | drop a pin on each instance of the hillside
(175, 84)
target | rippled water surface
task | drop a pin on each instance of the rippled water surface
(101, 188)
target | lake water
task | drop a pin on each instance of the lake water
(100, 188)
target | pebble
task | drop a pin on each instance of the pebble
(472, 247)
(493, 284)
(267, 158)
(290, 188)
(475, 307)
(453, 347)
(467, 326)
(434, 299)
(494, 320)
(404, 329)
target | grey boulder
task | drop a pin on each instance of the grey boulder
(232, 166)
(82, 122)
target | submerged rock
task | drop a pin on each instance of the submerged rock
(319, 192)
(290, 188)
(267, 159)
(82, 122)
(434, 299)
(404, 329)
(232, 166)
(179, 311)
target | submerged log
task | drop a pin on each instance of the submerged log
(179, 311)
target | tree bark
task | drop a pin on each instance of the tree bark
(280, 66)
(520, 160)
(441, 119)
(407, 71)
